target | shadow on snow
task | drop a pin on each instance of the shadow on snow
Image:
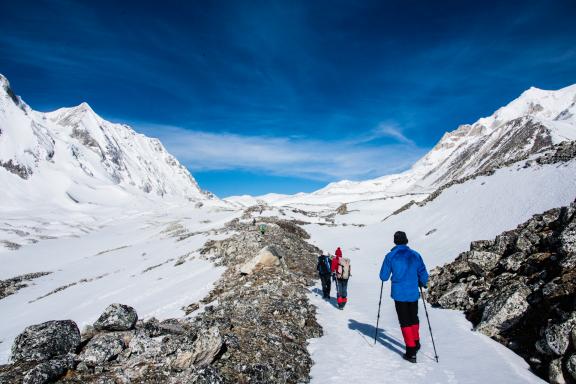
(383, 338)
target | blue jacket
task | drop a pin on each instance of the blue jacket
(407, 270)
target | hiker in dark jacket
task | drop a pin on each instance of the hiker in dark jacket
(323, 268)
(408, 273)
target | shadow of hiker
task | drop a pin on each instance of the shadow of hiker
(317, 291)
(389, 342)
(332, 300)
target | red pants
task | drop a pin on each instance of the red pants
(409, 324)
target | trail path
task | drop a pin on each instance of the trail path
(347, 353)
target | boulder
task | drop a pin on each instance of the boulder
(204, 350)
(504, 310)
(101, 348)
(513, 262)
(527, 241)
(267, 257)
(117, 317)
(557, 336)
(456, 298)
(482, 262)
(571, 366)
(44, 341)
(555, 375)
(143, 344)
(49, 371)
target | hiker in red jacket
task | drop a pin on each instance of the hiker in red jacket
(338, 252)
(340, 274)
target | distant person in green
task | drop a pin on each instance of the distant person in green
(262, 229)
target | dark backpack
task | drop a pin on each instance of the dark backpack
(323, 265)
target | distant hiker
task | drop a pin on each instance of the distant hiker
(254, 222)
(324, 269)
(262, 229)
(408, 273)
(340, 269)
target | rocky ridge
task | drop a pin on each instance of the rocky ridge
(520, 289)
(252, 328)
(559, 153)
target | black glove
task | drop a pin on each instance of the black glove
(422, 285)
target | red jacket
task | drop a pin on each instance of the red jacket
(335, 262)
(338, 252)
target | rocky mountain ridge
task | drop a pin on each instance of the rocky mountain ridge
(535, 121)
(252, 328)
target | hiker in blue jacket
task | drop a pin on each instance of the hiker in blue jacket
(408, 273)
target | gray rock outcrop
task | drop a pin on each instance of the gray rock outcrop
(117, 317)
(520, 289)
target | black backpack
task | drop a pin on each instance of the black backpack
(323, 265)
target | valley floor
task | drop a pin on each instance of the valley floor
(151, 261)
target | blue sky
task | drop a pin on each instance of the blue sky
(285, 96)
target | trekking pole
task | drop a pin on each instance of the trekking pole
(378, 318)
(429, 326)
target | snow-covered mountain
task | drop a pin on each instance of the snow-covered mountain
(73, 156)
(534, 121)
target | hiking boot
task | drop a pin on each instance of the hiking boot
(417, 345)
(410, 354)
(409, 358)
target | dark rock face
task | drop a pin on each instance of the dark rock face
(520, 289)
(117, 317)
(256, 333)
(47, 340)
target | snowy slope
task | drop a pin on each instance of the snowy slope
(148, 260)
(535, 120)
(73, 156)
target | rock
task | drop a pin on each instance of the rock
(206, 375)
(204, 351)
(504, 310)
(482, 262)
(342, 209)
(142, 344)
(103, 347)
(457, 298)
(557, 336)
(569, 262)
(268, 256)
(513, 262)
(43, 341)
(206, 347)
(88, 332)
(481, 245)
(555, 375)
(49, 371)
(117, 317)
(571, 366)
(527, 241)
(504, 243)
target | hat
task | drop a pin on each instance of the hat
(400, 238)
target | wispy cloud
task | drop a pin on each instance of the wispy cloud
(285, 156)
